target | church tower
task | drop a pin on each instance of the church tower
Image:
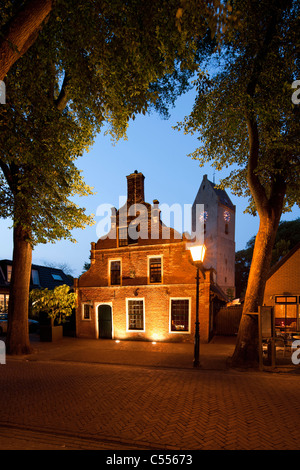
(218, 218)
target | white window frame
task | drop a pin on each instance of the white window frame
(82, 311)
(127, 315)
(170, 315)
(148, 269)
(109, 271)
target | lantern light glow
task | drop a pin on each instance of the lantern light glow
(198, 252)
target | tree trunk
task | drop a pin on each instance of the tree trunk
(17, 341)
(21, 32)
(246, 351)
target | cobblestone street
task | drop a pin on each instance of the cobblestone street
(78, 405)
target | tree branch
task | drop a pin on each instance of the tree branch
(7, 174)
(61, 101)
(281, 5)
(255, 186)
(257, 189)
(21, 32)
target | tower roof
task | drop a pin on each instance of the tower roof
(220, 193)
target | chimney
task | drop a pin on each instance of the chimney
(135, 188)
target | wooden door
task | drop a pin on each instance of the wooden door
(105, 321)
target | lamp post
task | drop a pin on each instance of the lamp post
(198, 253)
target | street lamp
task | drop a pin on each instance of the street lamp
(198, 253)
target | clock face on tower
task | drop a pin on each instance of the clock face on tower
(203, 216)
(226, 216)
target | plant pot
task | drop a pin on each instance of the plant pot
(51, 333)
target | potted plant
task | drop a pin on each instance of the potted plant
(52, 307)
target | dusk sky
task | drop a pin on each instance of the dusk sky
(160, 153)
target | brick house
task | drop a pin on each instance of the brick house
(141, 283)
(282, 290)
(42, 277)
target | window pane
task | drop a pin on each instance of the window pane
(123, 241)
(9, 273)
(155, 269)
(286, 315)
(35, 277)
(2, 303)
(6, 302)
(291, 300)
(180, 315)
(86, 311)
(115, 273)
(135, 314)
(286, 299)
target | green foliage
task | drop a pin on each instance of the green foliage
(86, 267)
(39, 146)
(288, 235)
(249, 80)
(57, 303)
(95, 65)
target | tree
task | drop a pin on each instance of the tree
(20, 26)
(78, 75)
(86, 267)
(39, 180)
(287, 236)
(58, 303)
(245, 118)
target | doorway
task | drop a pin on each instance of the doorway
(105, 321)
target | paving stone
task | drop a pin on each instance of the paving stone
(52, 403)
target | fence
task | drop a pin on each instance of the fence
(227, 320)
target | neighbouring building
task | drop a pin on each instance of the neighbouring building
(217, 212)
(141, 282)
(41, 277)
(282, 290)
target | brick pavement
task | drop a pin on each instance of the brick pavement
(56, 403)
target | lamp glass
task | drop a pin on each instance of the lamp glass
(198, 252)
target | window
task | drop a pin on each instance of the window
(226, 229)
(35, 277)
(286, 312)
(155, 270)
(9, 268)
(87, 311)
(180, 315)
(57, 277)
(135, 314)
(124, 236)
(280, 299)
(123, 240)
(115, 273)
(4, 298)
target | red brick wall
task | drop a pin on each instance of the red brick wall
(286, 280)
(178, 281)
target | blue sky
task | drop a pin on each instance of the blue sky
(160, 153)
